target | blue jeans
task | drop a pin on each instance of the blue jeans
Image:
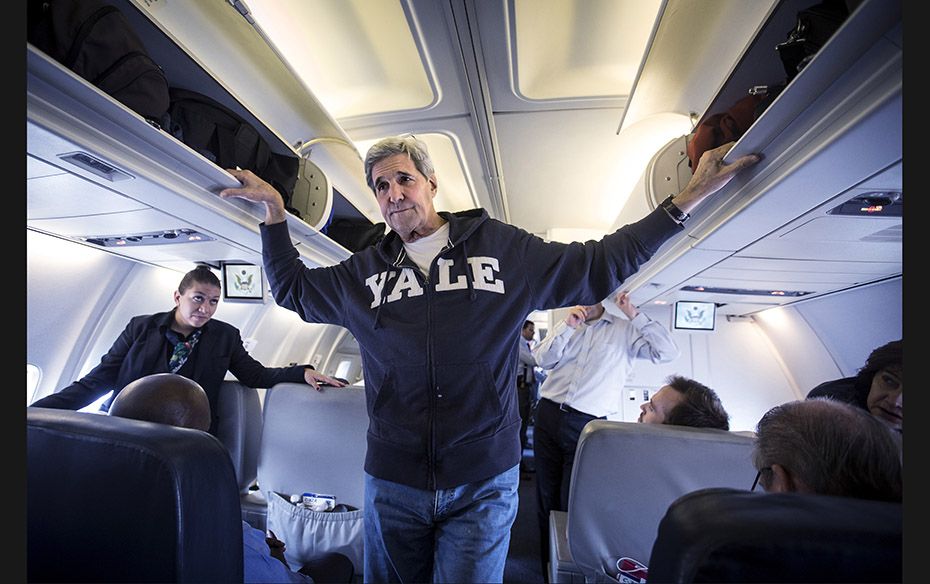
(457, 535)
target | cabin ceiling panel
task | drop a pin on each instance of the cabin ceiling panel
(360, 57)
(803, 269)
(112, 224)
(817, 248)
(566, 49)
(722, 276)
(549, 58)
(68, 195)
(36, 168)
(202, 251)
(848, 229)
(550, 182)
(652, 284)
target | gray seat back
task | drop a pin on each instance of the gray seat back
(314, 441)
(119, 500)
(626, 475)
(239, 428)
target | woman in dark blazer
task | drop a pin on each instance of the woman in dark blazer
(187, 341)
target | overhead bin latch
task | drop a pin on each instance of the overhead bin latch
(242, 9)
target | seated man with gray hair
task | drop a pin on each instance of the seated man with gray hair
(828, 447)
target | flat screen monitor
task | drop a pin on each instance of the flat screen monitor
(694, 316)
(243, 282)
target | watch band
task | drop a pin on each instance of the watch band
(673, 211)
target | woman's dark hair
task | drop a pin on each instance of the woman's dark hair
(887, 355)
(202, 275)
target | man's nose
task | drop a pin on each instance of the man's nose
(395, 193)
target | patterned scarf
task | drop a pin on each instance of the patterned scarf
(182, 348)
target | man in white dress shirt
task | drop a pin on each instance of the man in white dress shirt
(590, 353)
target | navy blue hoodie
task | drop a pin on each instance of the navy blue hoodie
(439, 354)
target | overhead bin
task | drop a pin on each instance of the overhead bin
(124, 175)
(831, 133)
(213, 41)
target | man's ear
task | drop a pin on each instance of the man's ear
(782, 480)
(177, 298)
(433, 184)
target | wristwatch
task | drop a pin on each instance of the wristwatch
(674, 212)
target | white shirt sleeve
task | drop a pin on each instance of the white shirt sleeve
(549, 351)
(654, 342)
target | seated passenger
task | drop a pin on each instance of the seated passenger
(878, 387)
(828, 447)
(186, 340)
(168, 398)
(685, 402)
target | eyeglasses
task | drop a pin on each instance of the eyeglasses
(759, 474)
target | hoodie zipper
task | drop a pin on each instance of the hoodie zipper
(436, 391)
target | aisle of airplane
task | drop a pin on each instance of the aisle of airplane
(565, 118)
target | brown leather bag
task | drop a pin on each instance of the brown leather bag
(721, 128)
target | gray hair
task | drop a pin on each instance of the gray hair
(832, 448)
(404, 144)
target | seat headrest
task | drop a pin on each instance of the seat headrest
(115, 499)
(238, 425)
(625, 476)
(314, 441)
(731, 535)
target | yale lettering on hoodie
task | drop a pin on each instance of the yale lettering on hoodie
(483, 270)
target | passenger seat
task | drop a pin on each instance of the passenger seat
(625, 476)
(239, 428)
(119, 500)
(315, 442)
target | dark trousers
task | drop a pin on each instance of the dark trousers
(555, 437)
(526, 400)
(330, 568)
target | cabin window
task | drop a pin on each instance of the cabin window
(94, 408)
(342, 370)
(33, 376)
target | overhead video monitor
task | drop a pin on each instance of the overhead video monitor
(694, 316)
(243, 282)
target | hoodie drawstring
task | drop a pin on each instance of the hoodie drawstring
(384, 293)
(468, 275)
(393, 271)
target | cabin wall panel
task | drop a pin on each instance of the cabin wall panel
(145, 290)
(853, 323)
(79, 300)
(282, 337)
(745, 371)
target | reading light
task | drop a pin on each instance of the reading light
(745, 291)
(150, 238)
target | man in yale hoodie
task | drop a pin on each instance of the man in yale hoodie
(436, 307)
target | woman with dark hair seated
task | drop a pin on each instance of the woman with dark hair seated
(878, 387)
